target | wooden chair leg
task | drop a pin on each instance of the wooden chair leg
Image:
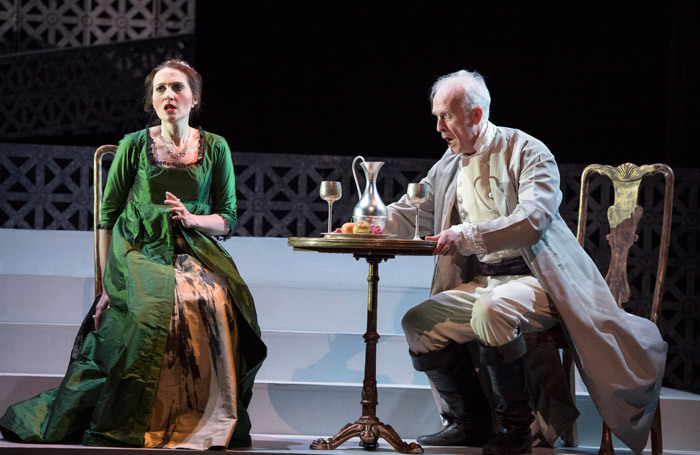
(657, 446)
(606, 445)
(571, 433)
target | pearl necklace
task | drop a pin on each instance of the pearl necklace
(171, 147)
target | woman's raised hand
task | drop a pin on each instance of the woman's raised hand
(179, 211)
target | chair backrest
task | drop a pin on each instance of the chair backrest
(623, 217)
(97, 206)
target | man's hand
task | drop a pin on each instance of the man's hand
(101, 306)
(447, 242)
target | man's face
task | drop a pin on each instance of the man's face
(460, 129)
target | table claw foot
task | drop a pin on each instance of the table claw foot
(393, 438)
(369, 445)
(348, 431)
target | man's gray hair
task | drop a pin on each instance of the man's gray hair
(475, 92)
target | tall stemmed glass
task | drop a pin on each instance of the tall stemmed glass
(417, 194)
(330, 191)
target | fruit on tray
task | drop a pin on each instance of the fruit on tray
(359, 227)
(347, 228)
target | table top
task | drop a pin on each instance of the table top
(381, 247)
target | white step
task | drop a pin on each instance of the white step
(259, 259)
(336, 308)
(318, 408)
(292, 356)
(310, 408)
(680, 414)
(280, 306)
(59, 299)
(335, 357)
(281, 408)
(288, 286)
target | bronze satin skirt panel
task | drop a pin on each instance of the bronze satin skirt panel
(195, 405)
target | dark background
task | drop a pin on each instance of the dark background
(605, 83)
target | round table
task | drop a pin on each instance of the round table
(373, 250)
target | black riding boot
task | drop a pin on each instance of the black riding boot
(506, 367)
(451, 371)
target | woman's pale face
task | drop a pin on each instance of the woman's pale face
(172, 96)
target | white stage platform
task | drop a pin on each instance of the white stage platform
(287, 445)
(312, 310)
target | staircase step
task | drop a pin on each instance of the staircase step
(259, 259)
(335, 357)
(331, 287)
(338, 308)
(300, 408)
(45, 298)
(307, 408)
(292, 356)
(320, 408)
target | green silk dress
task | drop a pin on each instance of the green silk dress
(108, 394)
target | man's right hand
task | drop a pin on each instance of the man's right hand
(447, 242)
(101, 306)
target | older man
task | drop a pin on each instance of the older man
(507, 264)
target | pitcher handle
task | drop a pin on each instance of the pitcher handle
(354, 174)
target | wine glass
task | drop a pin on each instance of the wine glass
(330, 191)
(417, 194)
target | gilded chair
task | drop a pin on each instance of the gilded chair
(97, 205)
(88, 323)
(623, 217)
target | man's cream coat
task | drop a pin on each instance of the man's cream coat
(620, 356)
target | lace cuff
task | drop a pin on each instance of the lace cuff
(228, 234)
(470, 241)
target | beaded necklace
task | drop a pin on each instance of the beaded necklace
(170, 146)
(168, 164)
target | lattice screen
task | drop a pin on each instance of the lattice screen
(98, 89)
(77, 67)
(47, 24)
(48, 187)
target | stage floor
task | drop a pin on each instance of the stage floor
(285, 445)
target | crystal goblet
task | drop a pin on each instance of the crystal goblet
(417, 194)
(330, 191)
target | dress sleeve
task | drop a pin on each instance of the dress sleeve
(223, 187)
(119, 182)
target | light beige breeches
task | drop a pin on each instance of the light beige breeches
(490, 309)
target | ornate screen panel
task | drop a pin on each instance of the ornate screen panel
(98, 89)
(27, 25)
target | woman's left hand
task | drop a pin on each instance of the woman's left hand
(179, 211)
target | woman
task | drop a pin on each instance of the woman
(177, 345)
